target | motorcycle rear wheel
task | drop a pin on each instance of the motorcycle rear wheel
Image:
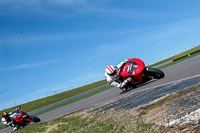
(35, 119)
(155, 73)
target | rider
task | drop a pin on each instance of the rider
(8, 121)
(112, 75)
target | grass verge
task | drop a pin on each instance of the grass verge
(73, 124)
(90, 123)
(178, 56)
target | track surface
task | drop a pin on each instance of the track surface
(185, 69)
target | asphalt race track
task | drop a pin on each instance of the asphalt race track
(185, 70)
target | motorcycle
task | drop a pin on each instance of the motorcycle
(136, 69)
(21, 118)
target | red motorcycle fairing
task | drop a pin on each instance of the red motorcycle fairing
(134, 68)
(20, 119)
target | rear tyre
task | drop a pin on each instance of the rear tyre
(35, 119)
(155, 73)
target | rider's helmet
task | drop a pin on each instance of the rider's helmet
(110, 70)
(5, 115)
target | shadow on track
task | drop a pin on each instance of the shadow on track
(137, 86)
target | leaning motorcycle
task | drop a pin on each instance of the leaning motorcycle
(21, 118)
(139, 73)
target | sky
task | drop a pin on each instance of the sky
(51, 46)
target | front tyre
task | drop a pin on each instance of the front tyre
(155, 73)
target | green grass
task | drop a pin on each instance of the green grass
(170, 64)
(178, 56)
(142, 127)
(86, 124)
(72, 124)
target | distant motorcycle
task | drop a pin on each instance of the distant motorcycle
(21, 118)
(136, 69)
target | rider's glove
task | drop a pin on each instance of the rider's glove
(129, 79)
(116, 68)
(25, 116)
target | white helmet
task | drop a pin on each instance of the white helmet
(110, 70)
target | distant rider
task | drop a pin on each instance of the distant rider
(8, 121)
(112, 75)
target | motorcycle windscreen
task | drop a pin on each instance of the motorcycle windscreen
(133, 67)
(127, 69)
